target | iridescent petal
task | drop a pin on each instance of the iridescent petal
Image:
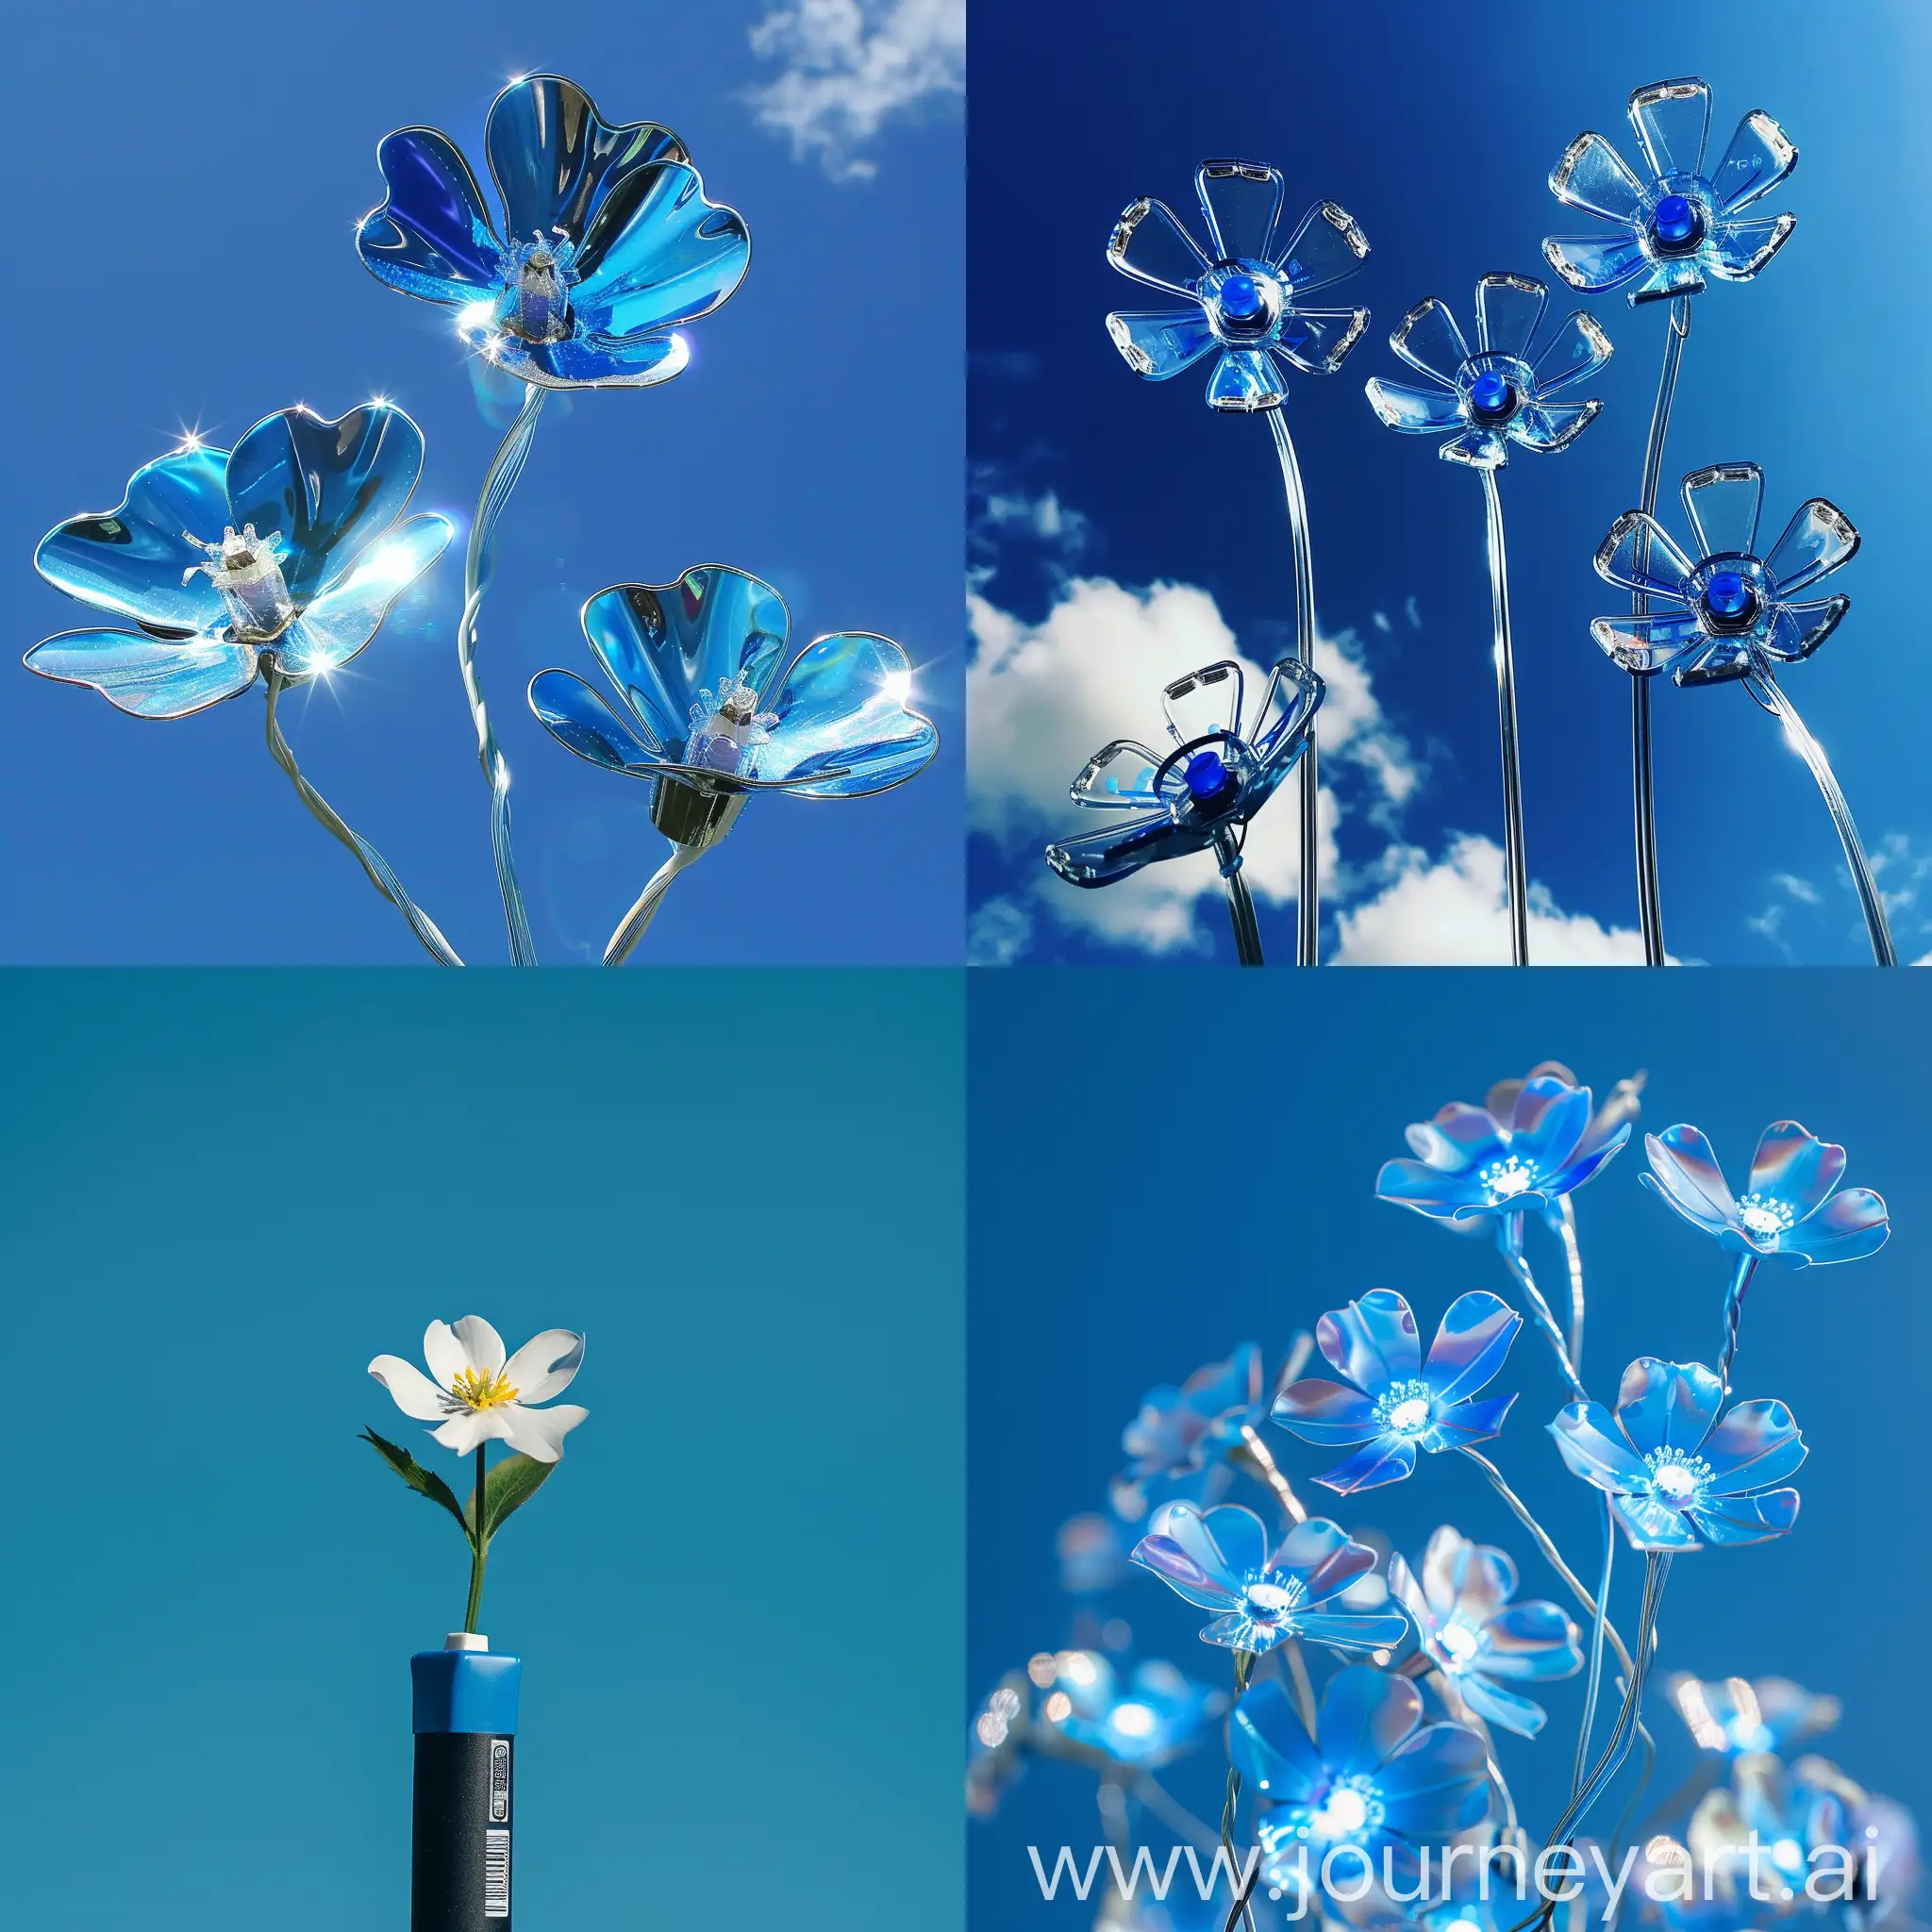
(1756, 1446)
(1573, 1174)
(1549, 427)
(1731, 1520)
(1326, 1412)
(1470, 1345)
(1435, 1782)
(1418, 411)
(148, 678)
(1099, 859)
(1318, 339)
(1118, 777)
(1412, 1595)
(1190, 1557)
(677, 257)
(1593, 1447)
(1428, 1189)
(1325, 246)
(1352, 1630)
(1468, 1576)
(1230, 1541)
(432, 236)
(1387, 1460)
(1668, 1405)
(1149, 244)
(1721, 502)
(1647, 643)
(1548, 1119)
(1760, 156)
(1459, 1138)
(1246, 379)
(1286, 712)
(1795, 1166)
(1673, 121)
(1242, 201)
(1508, 308)
(1819, 538)
(842, 709)
(1798, 629)
(1269, 1747)
(1739, 249)
(1532, 1643)
(580, 721)
(336, 625)
(1664, 569)
(130, 559)
(328, 487)
(1465, 1422)
(1495, 1706)
(1479, 449)
(1850, 1225)
(1595, 263)
(1159, 343)
(1364, 1715)
(1684, 1169)
(1237, 1630)
(1577, 348)
(1372, 1342)
(1593, 176)
(577, 362)
(1651, 1526)
(1427, 338)
(1324, 1556)
(1182, 1574)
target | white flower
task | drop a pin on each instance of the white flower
(478, 1394)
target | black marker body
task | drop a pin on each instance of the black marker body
(465, 1723)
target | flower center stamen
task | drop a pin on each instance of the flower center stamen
(1406, 1408)
(1460, 1642)
(537, 275)
(1504, 1179)
(244, 570)
(1765, 1220)
(1675, 224)
(1350, 1808)
(727, 723)
(475, 1389)
(1492, 395)
(1730, 601)
(1675, 1475)
(1208, 778)
(1269, 1603)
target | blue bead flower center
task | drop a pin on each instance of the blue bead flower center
(1241, 299)
(1491, 394)
(1676, 222)
(1207, 778)
(1729, 599)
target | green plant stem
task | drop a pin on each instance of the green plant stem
(479, 1552)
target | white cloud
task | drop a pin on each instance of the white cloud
(852, 65)
(999, 932)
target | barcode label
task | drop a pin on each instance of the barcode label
(496, 1874)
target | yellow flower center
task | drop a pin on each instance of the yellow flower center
(475, 1390)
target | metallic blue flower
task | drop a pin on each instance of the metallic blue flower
(1221, 1561)
(1676, 1474)
(1677, 222)
(711, 704)
(607, 242)
(1771, 1714)
(1732, 612)
(1202, 791)
(1180, 1433)
(1476, 1637)
(1794, 1209)
(1156, 1716)
(1375, 1778)
(1470, 1165)
(1501, 393)
(1392, 1402)
(1781, 1813)
(281, 552)
(1247, 296)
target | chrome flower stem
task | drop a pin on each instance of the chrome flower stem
(1573, 1255)
(1240, 1914)
(1509, 1245)
(479, 1548)
(371, 860)
(1271, 1473)
(508, 465)
(1309, 904)
(1516, 863)
(1764, 687)
(1649, 904)
(1297, 1665)
(1240, 905)
(636, 922)
(1595, 1683)
(1734, 1315)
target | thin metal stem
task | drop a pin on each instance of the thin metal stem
(1516, 864)
(372, 861)
(1594, 1684)
(1649, 904)
(508, 465)
(1572, 1254)
(1243, 1668)
(636, 922)
(1308, 905)
(1240, 906)
(1297, 1665)
(1510, 1244)
(1734, 1314)
(1272, 1474)
(1768, 692)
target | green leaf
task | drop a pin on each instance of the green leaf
(508, 1487)
(424, 1482)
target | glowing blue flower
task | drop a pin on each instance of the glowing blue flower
(281, 552)
(1220, 1561)
(1156, 1716)
(1475, 1636)
(1202, 791)
(1375, 1778)
(1181, 1434)
(1771, 1714)
(1392, 1402)
(1470, 1165)
(1500, 393)
(1793, 1211)
(1677, 1475)
(1756, 1837)
(607, 242)
(1248, 297)
(1731, 612)
(1678, 223)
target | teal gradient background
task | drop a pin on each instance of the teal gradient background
(224, 1193)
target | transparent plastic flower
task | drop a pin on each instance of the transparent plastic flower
(1679, 220)
(1156, 1715)
(1202, 791)
(1793, 1209)
(1736, 1714)
(1245, 295)
(1374, 1777)
(1783, 1813)
(1392, 1401)
(1732, 612)
(1476, 1637)
(1221, 1561)
(284, 551)
(607, 242)
(1470, 1165)
(480, 1394)
(1179, 1432)
(1502, 392)
(1678, 1473)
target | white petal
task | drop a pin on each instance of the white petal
(415, 1393)
(539, 1433)
(443, 1353)
(545, 1365)
(463, 1433)
(470, 1344)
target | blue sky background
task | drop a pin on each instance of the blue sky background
(208, 1226)
(1103, 1266)
(195, 187)
(1439, 141)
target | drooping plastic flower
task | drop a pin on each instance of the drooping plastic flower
(1677, 222)
(1152, 1718)
(1205, 790)
(1736, 1715)
(1793, 1210)
(607, 242)
(1392, 1402)
(1470, 1165)
(480, 1394)
(1221, 1561)
(1678, 1474)
(1732, 612)
(1501, 392)
(1374, 1777)
(1248, 297)
(1182, 1434)
(1476, 1637)
(284, 551)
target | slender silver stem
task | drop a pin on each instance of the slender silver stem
(1595, 1683)
(1765, 688)
(1509, 1245)
(1240, 905)
(504, 469)
(1516, 865)
(1572, 1254)
(1649, 904)
(1742, 1271)
(636, 922)
(1309, 905)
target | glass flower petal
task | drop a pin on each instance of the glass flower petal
(1507, 309)
(1386, 1460)
(1741, 248)
(1273, 1752)
(1246, 379)
(1721, 502)
(1595, 263)
(1364, 1716)
(1104, 858)
(1418, 411)
(1798, 629)
(1373, 1340)
(1594, 176)
(1327, 246)
(1758, 1443)
(432, 236)
(1795, 1166)
(1118, 777)
(1593, 1447)
(1577, 348)
(148, 678)
(1648, 644)
(1819, 538)
(578, 361)
(580, 721)
(1149, 244)
(1664, 567)
(1672, 122)
(1470, 1345)
(1242, 201)
(1326, 1412)
(1318, 339)
(1731, 1521)
(678, 257)
(335, 626)
(1664, 1406)
(1479, 449)
(1760, 156)
(1851, 1224)
(1159, 343)
(842, 711)
(1553, 426)
(1427, 338)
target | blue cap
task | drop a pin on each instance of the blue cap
(467, 1691)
